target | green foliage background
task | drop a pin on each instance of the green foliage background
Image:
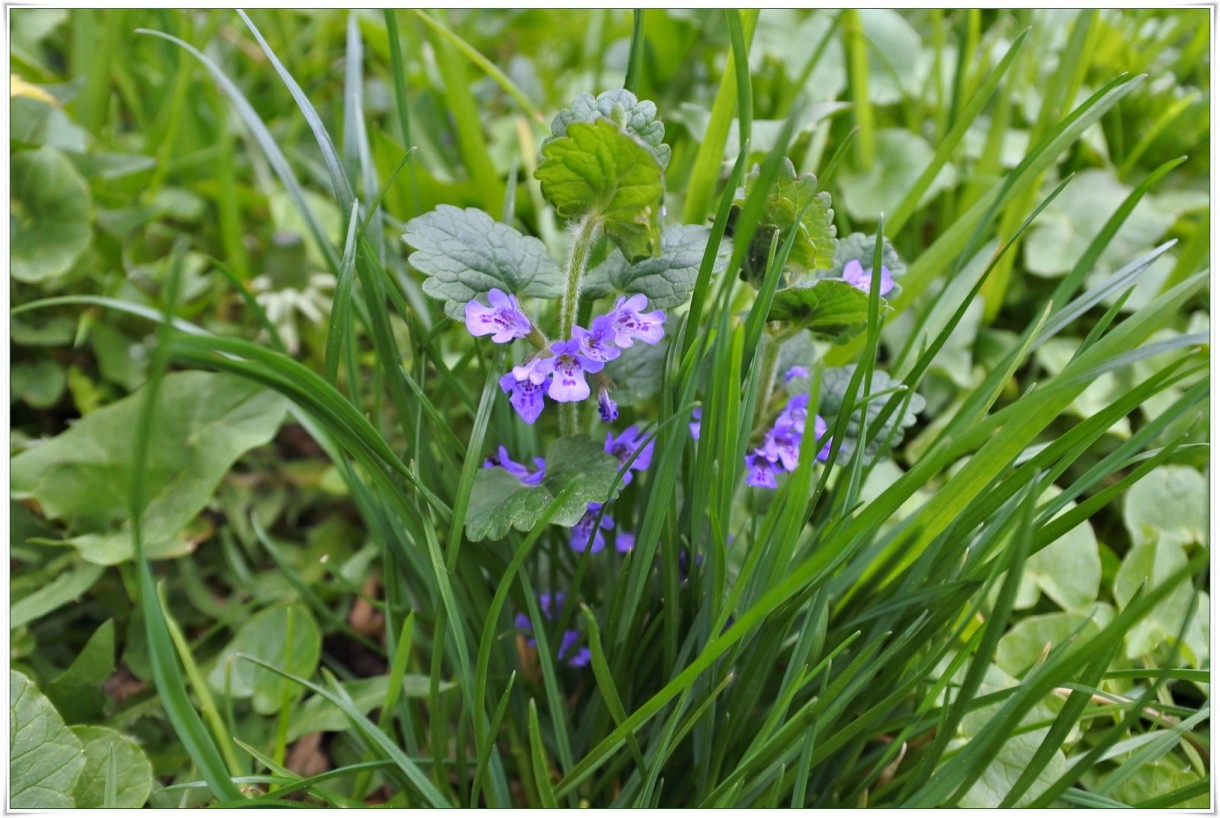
(1021, 586)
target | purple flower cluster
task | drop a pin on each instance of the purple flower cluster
(855, 275)
(552, 608)
(558, 370)
(782, 445)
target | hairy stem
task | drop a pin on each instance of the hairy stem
(586, 236)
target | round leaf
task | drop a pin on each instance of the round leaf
(284, 636)
(50, 215)
(111, 754)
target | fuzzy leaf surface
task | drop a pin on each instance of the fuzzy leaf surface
(500, 501)
(465, 253)
(600, 170)
(638, 117)
(668, 279)
(832, 310)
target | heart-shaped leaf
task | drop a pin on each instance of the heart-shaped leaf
(795, 197)
(465, 253)
(637, 116)
(285, 636)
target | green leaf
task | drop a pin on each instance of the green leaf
(110, 753)
(39, 384)
(834, 387)
(204, 423)
(667, 279)
(901, 158)
(601, 171)
(65, 588)
(49, 217)
(796, 196)
(77, 692)
(1153, 562)
(1161, 777)
(1013, 756)
(637, 373)
(45, 758)
(832, 310)
(1069, 223)
(1170, 504)
(316, 714)
(638, 117)
(1027, 642)
(860, 247)
(1069, 569)
(284, 636)
(500, 501)
(465, 253)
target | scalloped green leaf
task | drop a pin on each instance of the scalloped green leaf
(833, 389)
(49, 215)
(637, 373)
(45, 758)
(792, 196)
(832, 310)
(668, 279)
(500, 502)
(465, 253)
(637, 116)
(860, 247)
(597, 169)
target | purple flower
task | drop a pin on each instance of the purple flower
(575, 658)
(606, 407)
(503, 320)
(819, 429)
(697, 424)
(570, 367)
(522, 473)
(524, 395)
(586, 530)
(597, 343)
(535, 369)
(631, 325)
(796, 372)
(624, 541)
(760, 471)
(783, 444)
(626, 445)
(855, 275)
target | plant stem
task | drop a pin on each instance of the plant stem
(582, 246)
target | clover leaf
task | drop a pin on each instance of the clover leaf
(637, 116)
(500, 501)
(597, 169)
(465, 253)
(668, 279)
(832, 310)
